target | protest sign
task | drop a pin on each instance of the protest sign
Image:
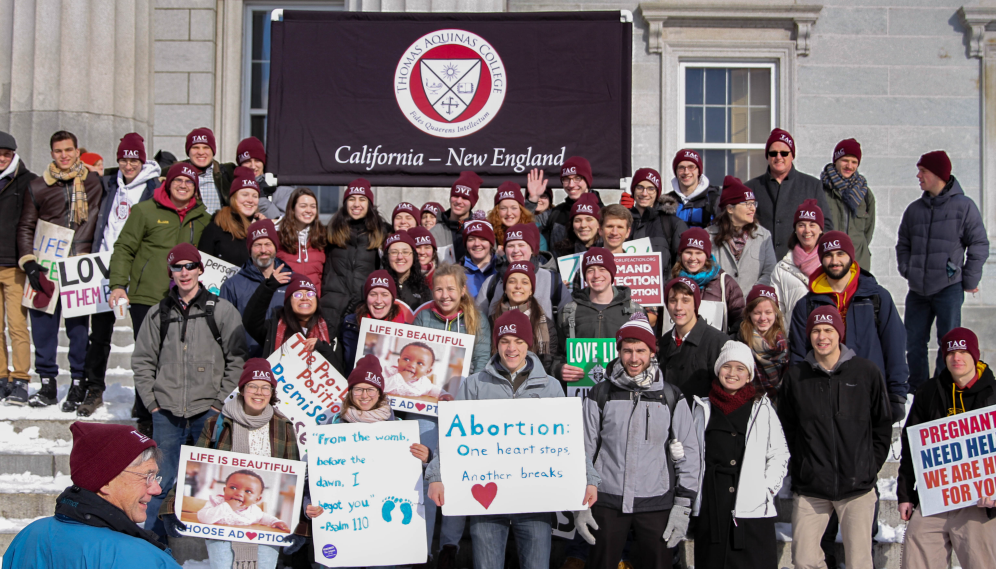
(52, 244)
(445, 254)
(641, 245)
(954, 459)
(511, 456)
(238, 497)
(642, 274)
(593, 356)
(216, 272)
(84, 284)
(420, 364)
(365, 478)
(569, 265)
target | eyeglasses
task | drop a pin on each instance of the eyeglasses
(687, 168)
(400, 254)
(782, 153)
(301, 294)
(188, 266)
(182, 182)
(749, 205)
(365, 391)
(150, 477)
(262, 389)
(571, 180)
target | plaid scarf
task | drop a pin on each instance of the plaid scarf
(772, 359)
(737, 244)
(320, 331)
(851, 190)
(79, 209)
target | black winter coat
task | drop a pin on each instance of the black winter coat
(663, 229)
(346, 270)
(456, 233)
(216, 242)
(776, 204)
(689, 366)
(837, 424)
(12, 193)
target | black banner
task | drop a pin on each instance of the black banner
(413, 99)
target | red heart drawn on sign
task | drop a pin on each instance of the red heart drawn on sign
(484, 494)
(251, 534)
(420, 406)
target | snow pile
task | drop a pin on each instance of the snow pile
(28, 442)
(32, 484)
(118, 400)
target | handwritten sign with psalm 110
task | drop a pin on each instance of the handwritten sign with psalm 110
(365, 478)
(955, 460)
(511, 456)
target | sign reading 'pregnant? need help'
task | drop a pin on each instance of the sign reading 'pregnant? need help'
(511, 456)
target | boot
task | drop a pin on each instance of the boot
(94, 399)
(447, 557)
(46, 396)
(76, 394)
(5, 386)
(574, 563)
(18, 393)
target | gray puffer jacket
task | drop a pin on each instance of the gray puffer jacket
(192, 372)
(942, 241)
(637, 474)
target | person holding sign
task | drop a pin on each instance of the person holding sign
(519, 283)
(298, 315)
(745, 250)
(791, 275)
(650, 220)
(648, 484)
(764, 331)
(965, 384)
(691, 346)
(514, 372)
(582, 234)
(381, 293)
(226, 236)
(740, 475)
(248, 424)
(838, 443)
(722, 302)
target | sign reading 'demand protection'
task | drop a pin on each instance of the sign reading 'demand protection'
(511, 456)
(642, 274)
(955, 460)
(365, 478)
(84, 284)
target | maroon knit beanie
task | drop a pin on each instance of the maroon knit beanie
(847, 147)
(184, 252)
(734, 192)
(410, 209)
(646, 175)
(527, 232)
(244, 179)
(637, 328)
(181, 169)
(201, 135)
(695, 238)
(422, 236)
(478, 228)
(358, 187)
(576, 166)
(762, 291)
(250, 148)
(826, 314)
(466, 187)
(132, 146)
(299, 282)
(779, 135)
(510, 191)
(380, 279)
(960, 339)
(523, 268)
(598, 257)
(256, 369)
(367, 371)
(938, 163)
(399, 237)
(101, 451)
(587, 204)
(686, 155)
(262, 229)
(690, 284)
(514, 323)
(433, 208)
(835, 241)
(809, 210)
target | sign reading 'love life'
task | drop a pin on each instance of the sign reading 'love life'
(511, 456)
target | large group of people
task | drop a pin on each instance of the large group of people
(776, 350)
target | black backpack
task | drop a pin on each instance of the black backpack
(165, 319)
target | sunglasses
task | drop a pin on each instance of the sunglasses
(782, 153)
(188, 266)
(301, 294)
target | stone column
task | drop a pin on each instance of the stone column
(79, 65)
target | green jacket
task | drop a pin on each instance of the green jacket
(859, 227)
(138, 263)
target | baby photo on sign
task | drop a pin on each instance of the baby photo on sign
(239, 497)
(421, 366)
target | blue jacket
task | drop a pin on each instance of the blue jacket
(881, 340)
(476, 276)
(239, 288)
(60, 542)
(934, 237)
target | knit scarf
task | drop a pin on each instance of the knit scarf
(807, 262)
(79, 210)
(641, 382)
(703, 278)
(320, 331)
(773, 358)
(379, 413)
(242, 423)
(851, 190)
(729, 403)
(819, 283)
(541, 333)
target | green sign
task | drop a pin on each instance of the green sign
(593, 356)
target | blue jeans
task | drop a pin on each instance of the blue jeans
(921, 311)
(452, 527)
(45, 335)
(221, 556)
(170, 433)
(489, 535)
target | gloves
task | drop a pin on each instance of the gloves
(173, 525)
(295, 543)
(583, 519)
(626, 200)
(898, 411)
(677, 525)
(677, 451)
(34, 272)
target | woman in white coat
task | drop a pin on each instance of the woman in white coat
(741, 474)
(791, 275)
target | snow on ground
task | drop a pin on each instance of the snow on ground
(118, 400)
(886, 488)
(33, 484)
(889, 534)
(15, 525)
(191, 564)
(28, 442)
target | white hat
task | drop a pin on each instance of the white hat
(735, 352)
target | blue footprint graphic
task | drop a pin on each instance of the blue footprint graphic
(406, 511)
(385, 512)
(388, 508)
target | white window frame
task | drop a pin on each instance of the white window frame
(732, 64)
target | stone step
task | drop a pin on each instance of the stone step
(122, 336)
(27, 505)
(121, 375)
(35, 464)
(40, 426)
